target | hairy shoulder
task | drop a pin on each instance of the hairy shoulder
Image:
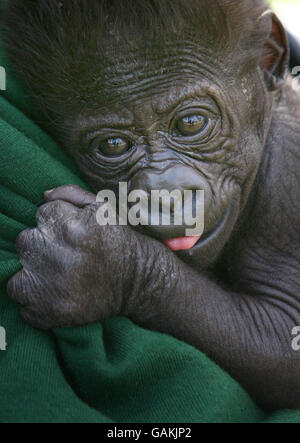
(265, 251)
(280, 173)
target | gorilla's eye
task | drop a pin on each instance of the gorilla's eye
(115, 146)
(191, 125)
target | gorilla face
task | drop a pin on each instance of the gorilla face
(174, 124)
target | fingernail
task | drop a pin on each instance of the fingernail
(49, 191)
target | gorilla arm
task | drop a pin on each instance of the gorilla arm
(246, 333)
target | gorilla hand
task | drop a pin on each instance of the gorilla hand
(74, 271)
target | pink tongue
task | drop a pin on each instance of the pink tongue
(182, 243)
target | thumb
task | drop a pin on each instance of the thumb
(72, 194)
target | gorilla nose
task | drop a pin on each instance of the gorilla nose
(176, 179)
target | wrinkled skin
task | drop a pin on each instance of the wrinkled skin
(236, 294)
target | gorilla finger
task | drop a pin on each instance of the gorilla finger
(73, 194)
(29, 246)
(25, 240)
(49, 213)
(19, 287)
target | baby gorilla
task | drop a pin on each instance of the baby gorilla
(169, 94)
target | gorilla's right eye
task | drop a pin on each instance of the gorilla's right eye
(114, 147)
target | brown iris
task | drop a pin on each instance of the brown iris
(191, 125)
(115, 146)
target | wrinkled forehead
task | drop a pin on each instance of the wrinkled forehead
(135, 72)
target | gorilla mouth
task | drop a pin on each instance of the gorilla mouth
(187, 243)
(182, 243)
(214, 235)
(208, 247)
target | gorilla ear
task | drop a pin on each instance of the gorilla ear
(275, 57)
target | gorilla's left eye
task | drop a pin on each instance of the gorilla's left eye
(191, 125)
(113, 147)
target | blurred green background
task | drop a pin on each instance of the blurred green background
(289, 13)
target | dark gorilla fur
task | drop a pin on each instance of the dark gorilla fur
(132, 68)
(62, 67)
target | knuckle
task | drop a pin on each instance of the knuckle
(73, 230)
(80, 226)
(51, 212)
(67, 188)
(48, 212)
(18, 287)
(23, 240)
(90, 213)
(28, 245)
(71, 188)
